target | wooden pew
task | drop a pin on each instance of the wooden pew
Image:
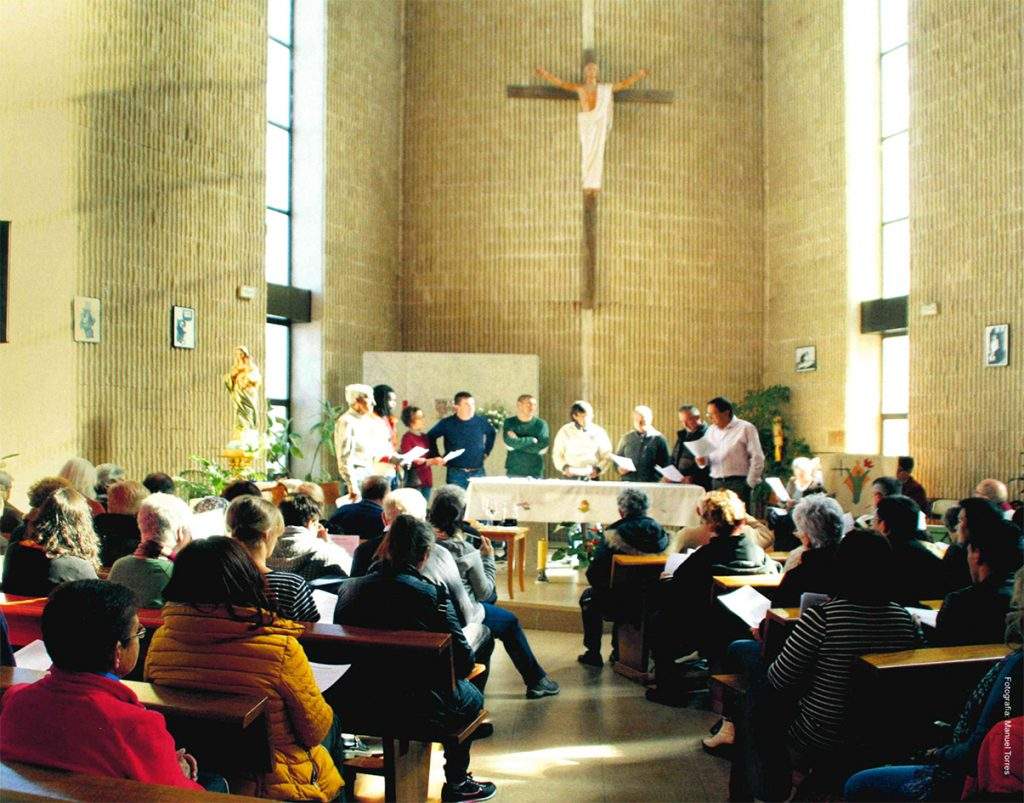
(27, 782)
(723, 584)
(900, 694)
(227, 733)
(405, 765)
(636, 574)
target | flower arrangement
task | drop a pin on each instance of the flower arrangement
(583, 540)
(495, 413)
(856, 476)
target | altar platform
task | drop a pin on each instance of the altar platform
(554, 605)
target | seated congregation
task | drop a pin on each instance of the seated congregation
(231, 591)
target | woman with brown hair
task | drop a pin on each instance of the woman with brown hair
(222, 632)
(59, 545)
(256, 524)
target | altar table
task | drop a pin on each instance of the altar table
(527, 499)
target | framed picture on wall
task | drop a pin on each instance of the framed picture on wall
(86, 322)
(183, 327)
(997, 345)
(805, 359)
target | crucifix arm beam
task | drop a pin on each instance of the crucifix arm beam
(627, 82)
(554, 79)
(538, 92)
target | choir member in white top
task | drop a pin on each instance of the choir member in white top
(581, 448)
(737, 460)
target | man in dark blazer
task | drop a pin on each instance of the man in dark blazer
(364, 518)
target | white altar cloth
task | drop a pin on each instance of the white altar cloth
(528, 499)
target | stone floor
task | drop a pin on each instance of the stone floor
(599, 740)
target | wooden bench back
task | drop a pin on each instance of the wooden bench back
(27, 782)
(899, 694)
(226, 732)
(637, 570)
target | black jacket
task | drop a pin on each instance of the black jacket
(636, 535)
(954, 564)
(403, 600)
(683, 459)
(919, 573)
(118, 534)
(816, 573)
(363, 518)
(976, 614)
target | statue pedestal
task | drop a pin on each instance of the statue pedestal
(238, 460)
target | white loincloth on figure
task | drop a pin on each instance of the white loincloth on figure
(594, 127)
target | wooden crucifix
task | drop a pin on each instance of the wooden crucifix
(595, 121)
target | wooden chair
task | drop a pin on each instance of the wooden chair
(633, 576)
(27, 782)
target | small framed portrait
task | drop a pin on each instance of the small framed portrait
(997, 345)
(86, 323)
(805, 359)
(183, 327)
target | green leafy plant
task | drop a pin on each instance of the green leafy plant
(210, 478)
(583, 540)
(282, 443)
(761, 407)
(324, 430)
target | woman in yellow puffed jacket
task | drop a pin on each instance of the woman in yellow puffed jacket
(220, 633)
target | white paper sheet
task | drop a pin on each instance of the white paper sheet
(325, 604)
(848, 523)
(623, 462)
(699, 448)
(453, 455)
(670, 473)
(412, 454)
(748, 604)
(33, 656)
(780, 490)
(675, 560)
(326, 675)
(925, 616)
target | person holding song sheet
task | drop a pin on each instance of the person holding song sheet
(581, 449)
(644, 446)
(733, 450)
(468, 440)
(682, 458)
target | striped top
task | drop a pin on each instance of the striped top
(818, 659)
(294, 597)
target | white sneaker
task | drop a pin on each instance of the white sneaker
(726, 736)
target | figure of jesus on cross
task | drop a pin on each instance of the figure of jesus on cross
(595, 119)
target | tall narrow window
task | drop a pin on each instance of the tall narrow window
(894, 74)
(278, 253)
(279, 141)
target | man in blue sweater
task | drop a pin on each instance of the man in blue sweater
(464, 430)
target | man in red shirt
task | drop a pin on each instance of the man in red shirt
(80, 717)
(912, 487)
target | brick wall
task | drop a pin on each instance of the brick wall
(170, 116)
(805, 226)
(966, 240)
(493, 212)
(364, 128)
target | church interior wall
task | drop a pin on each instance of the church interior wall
(170, 118)
(133, 172)
(805, 212)
(966, 240)
(492, 220)
(363, 172)
(38, 406)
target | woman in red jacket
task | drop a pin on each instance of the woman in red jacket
(80, 717)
